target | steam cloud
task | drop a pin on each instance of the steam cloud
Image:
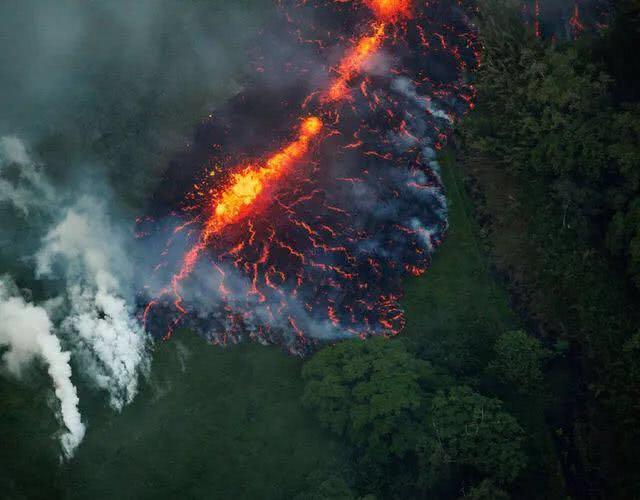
(30, 189)
(97, 89)
(84, 250)
(109, 338)
(27, 331)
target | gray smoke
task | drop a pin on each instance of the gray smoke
(102, 94)
(118, 84)
(28, 179)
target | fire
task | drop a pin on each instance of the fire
(390, 10)
(353, 62)
(248, 184)
(293, 255)
(245, 188)
(386, 11)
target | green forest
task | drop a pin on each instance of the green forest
(520, 367)
(518, 372)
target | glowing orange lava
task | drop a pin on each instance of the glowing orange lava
(245, 187)
(353, 62)
(233, 203)
(251, 186)
(390, 10)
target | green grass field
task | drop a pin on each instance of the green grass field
(211, 423)
(457, 299)
(227, 423)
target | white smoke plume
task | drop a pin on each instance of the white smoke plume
(27, 332)
(84, 250)
(407, 88)
(109, 338)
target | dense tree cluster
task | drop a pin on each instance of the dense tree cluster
(368, 392)
(519, 361)
(467, 429)
(563, 119)
(413, 430)
(455, 418)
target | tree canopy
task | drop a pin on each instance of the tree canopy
(466, 429)
(368, 391)
(401, 413)
(519, 360)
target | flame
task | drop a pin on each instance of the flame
(234, 201)
(311, 238)
(353, 62)
(247, 185)
(390, 10)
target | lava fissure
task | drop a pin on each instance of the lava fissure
(310, 242)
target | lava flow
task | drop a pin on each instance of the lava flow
(352, 63)
(390, 10)
(243, 191)
(311, 242)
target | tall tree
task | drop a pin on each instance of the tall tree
(468, 430)
(519, 361)
(367, 391)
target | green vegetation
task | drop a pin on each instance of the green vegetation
(428, 413)
(211, 423)
(519, 361)
(518, 374)
(366, 391)
(409, 436)
(557, 127)
(551, 158)
(26, 442)
(218, 413)
(467, 429)
(456, 310)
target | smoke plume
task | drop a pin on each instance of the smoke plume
(27, 332)
(88, 252)
(82, 263)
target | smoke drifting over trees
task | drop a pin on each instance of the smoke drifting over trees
(89, 297)
(95, 97)
(27, 331)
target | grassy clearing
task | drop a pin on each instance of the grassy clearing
(457, 296)
(211, 423)
(454, 314)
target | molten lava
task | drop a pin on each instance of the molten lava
(249, 183)
(354, 61)
(312, 242)
(236, 199)
(390, 10)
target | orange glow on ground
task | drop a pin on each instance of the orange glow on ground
(247, 184)
(390, 10)
(232, 204)
(353, 62)
(250, 186)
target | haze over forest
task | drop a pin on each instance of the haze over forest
(319, 250)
